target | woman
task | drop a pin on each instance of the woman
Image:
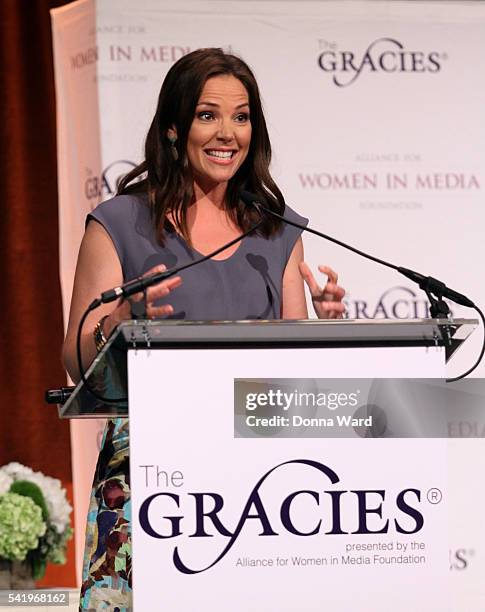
(207, 141)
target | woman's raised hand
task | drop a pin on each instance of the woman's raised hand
(327, 300)
(124, 310)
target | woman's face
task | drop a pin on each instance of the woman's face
(220, 134)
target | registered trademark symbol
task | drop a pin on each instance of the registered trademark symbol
(434, 495)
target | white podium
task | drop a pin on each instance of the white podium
(255, 485)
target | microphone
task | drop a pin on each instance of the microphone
(433, 285)
(427, 283)
(135, 286)
(434, 288)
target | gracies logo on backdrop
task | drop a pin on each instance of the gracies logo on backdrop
(97, 188)
(367, 512)
(382, 55)
(394, 303)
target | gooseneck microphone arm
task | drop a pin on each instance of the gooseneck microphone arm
(427, 283)
(136, 286)
(434, 288)
(140, 284)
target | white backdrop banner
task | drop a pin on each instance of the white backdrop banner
(375, 112)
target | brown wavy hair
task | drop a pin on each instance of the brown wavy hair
(169, 182)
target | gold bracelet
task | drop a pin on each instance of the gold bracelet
(99, 337)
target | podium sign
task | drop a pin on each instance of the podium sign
(223, 523)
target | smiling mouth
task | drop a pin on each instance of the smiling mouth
(220, 156)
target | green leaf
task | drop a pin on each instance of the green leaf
(30, 489)
(38, 568)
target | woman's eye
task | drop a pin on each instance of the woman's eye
(205, 115)
(242, 117)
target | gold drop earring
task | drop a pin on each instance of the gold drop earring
(173, 148)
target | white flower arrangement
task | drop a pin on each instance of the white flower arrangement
(5, 482)
(50, 503)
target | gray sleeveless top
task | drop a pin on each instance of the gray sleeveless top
(247, 285)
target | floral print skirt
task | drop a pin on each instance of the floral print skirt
(106, 580)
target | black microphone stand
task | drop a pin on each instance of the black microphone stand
(434, 288)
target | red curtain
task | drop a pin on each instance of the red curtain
(31, 316)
